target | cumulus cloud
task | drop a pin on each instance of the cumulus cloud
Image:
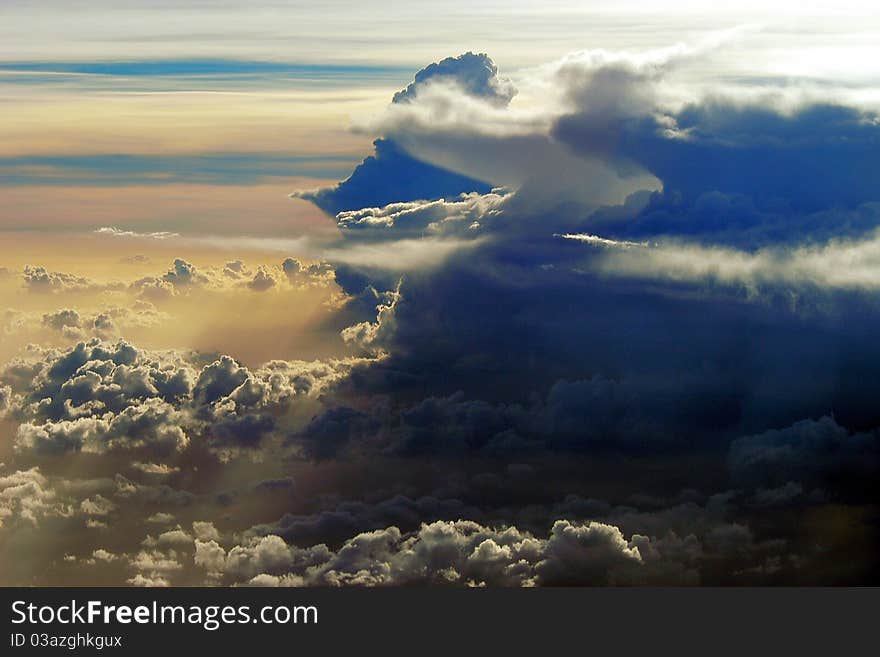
(97, 506)
(61, 319)
(26, 495)
(476, 74)
(467, 553)
(154, 468)
(235, 269)
(152, 288)
(5, 399)
(810, 451)
(185, 278)
(205, 531)
(371, 336)
(183, 273)
(263, 280)
(392, 174)
(98, 397)
(152, 424)
(40, 279)
(141, 580)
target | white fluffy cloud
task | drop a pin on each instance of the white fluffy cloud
(372, 337)
(453, 553)
(99, 397)
(26, 494)
(461, 216)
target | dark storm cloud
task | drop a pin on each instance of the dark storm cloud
(812, 452)
(263, 280)
(643, 363)
(746, 175)
(694, 322)
(815, 157)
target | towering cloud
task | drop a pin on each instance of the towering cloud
(715, 286)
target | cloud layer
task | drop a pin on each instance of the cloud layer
(583, 325)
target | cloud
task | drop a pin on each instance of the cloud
(185, 278)
(810, 451)
(404, 255)
(335, 525)
(816, 156)
(609, 124)
(150, 582)
(152, 424)
(119, 232)
(391, 175)
(371, 336)
(97, 506)
(564, 381)
(295, 270)
(584, 554)
(160, 518)
(588, 415)
(152, 288)
(60, 319)
(183, 273)
(98, 397)
(462, 216)
(103, 555)
(39, 279)
(476, 74)
(154, 468)
(509, 320)
(457, 553)
(263, 280)
(205, 531)
(6, 400)
(25, 495)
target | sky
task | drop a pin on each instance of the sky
(462, 293)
